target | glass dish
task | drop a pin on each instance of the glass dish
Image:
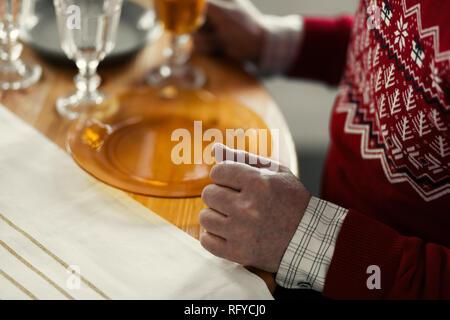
(147, 143)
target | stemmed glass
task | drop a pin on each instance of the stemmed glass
(15, 74)
(180, 18)
(87, 30)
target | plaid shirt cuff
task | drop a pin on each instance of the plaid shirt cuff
(308, 256)
(283, 37)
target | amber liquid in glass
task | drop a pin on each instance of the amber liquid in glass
(180, 16)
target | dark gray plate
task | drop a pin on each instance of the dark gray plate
(137, 28)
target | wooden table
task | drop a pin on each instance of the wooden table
(36, 106)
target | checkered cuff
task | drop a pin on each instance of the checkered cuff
(308, 256)
(283, 37)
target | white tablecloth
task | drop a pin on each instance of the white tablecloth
(54, 217)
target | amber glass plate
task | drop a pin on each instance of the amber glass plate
(157, 143)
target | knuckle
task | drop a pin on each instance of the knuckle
(205, 242)
(246, 205)
(213, 171)
(203, 217)
(208, 192)
(252, 178)
(217, 170)
(267, 179)
(208, 244)
(269, 183)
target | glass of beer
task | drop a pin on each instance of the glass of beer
(87, 31)
(180, 18)
(15, 16)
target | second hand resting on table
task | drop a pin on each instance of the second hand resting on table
(253, 213)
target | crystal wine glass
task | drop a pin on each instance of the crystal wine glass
(180, 18)
(87, 30)
(15, 15)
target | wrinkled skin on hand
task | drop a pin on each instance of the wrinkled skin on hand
(252, 214)
(233, 28)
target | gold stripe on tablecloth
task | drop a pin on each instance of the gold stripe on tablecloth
(36, 270)
(48, 252)
(18, 285)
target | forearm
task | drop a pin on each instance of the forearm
(334, 249)
(323, 50)
(410, 267)
(308, 47)
(282, 43)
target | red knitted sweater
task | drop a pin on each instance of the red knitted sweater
(389, 159)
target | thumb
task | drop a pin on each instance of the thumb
(224, 153)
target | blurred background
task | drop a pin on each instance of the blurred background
(306, 105)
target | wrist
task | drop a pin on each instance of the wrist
(306, 198)
(258, 44)
(282, 37)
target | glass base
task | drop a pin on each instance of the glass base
(72, 105)
(18, 75)
(183, 77)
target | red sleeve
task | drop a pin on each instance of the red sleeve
(323, 51)
(410, 268)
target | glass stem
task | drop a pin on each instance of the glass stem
(87, 81)
(10, 48)
(180, 51)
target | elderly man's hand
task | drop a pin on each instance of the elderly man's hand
(252, 214)
(233, 27)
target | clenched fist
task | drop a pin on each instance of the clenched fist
(253, 212)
